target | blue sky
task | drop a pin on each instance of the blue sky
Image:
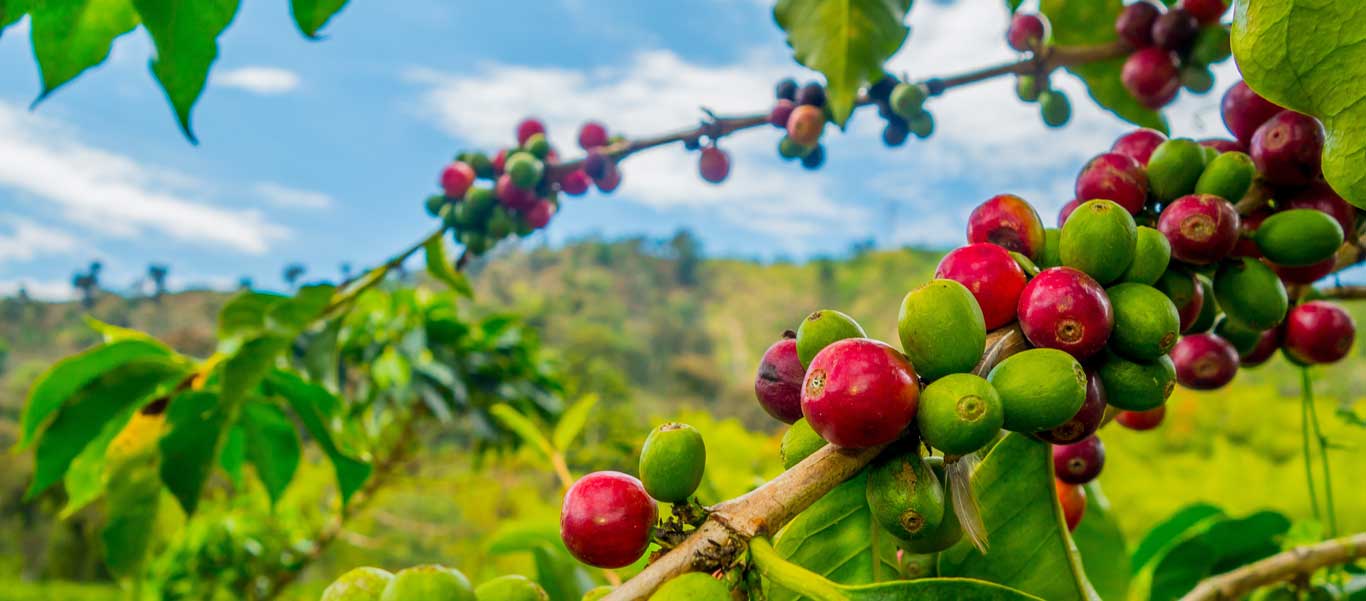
(321, 151)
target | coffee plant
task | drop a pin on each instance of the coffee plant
(956, 462)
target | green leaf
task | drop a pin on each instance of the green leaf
(1013, 5)
(234, 454)
(1222, 546)
(186, 36)
(521, 426)
(1088, 22)
(11, 11)
(244, 315)
(70, 36)
(1101, 545)
(837, 538)
(84, 480)
(440, 267)
(1309, 56)
(320, 354)
(294, 314)
(112, 333)
(562, 577)
(1030, 548)
(1166, 533)
(196, 423)
(66, 377)
(572, 421)
(86, 414)
(846, 40)
(272, 446)
(391, 370)
(131, 501)
(245, 369)
(314, 406)
(313, 15)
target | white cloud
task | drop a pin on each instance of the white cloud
(114, 195)
(266, 81)
(48, 290)
(292, 198)
(27, 239)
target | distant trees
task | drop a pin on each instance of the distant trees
(88, 283)
(157, 274)
(293, 272)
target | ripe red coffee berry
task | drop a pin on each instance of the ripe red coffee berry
(1135, 23)
(713, 165)
(1305, 274)
(1204, 361)
(993, 277)
(456, 178)
(1223, 145)
(805, 124)
(592, 135)
(1141, 421)
(1066, 211)
(1244, 111)
(1318, 332)
(1026, 31)
(606, 519)
(1174, 30)
(1088, 418)
(781, 112)
(1206, 11)
(1139, 144)
(1006, 220)
(538, 216)
(1266, 346)
(1151, 76)
(609, 180)
(1080, 462)
(1288, 148)
(499, 161)
(513, 196)
(1202, 228)
(1321, 197)
(778, 385)
(1116, 177)
(575, 183)
(860, 393)
(1063, 308)
(527, 128)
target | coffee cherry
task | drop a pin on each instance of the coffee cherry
(359, 584)
(1007, 221)
(1267, 342)
(881, 91)
(1114, 177)
(428, 582)
(1080, 462)
(1151, 76)
(1028, 88)
(907, 100)
(512, 587)
(904, 494)
(1321, 197)
(788, 150)
(1064, 214)
(959, 413)
(1202, 228)
(1299, 237)
(538, 216)
(786, 90)
(525, 170)
(1205, 11)
(1063, 308)
(1087, 419)
(1197, 78)
(1146, 322)
(811, 94)
(537, 146)
(941, 329)
(1072, 498)
(596, 165)
(1228, 175)
(991, 275)
(527, 128)
(1055, 108)
(499, 161)
(1040, 389)
(1318, 332)
(1174, 30)
(1211, 45)
(1175, 168)
(1224, 145)
(513, 196)
(806, 124)
(1288, 148)
(1140, 421)
(922, 125)
(1136, 385)
(1152, 255)
(778, 385)
(1209, 307)
(672, 461)
(434, 204)
(1099, 239)
(714, 164)
(575, 183)
(1244, 111)
(896, 132)
(1307, 274)
(610, 180)
(592, 135)
(781, 112)
(1026, 32)
(456, 178)
(1138, 144)
(606, 519)
(1135, 23)
(860, 393)
(692, 586)
(823, 328)
(814, 159)
(1204, 361)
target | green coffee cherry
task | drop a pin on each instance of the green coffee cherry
(799, 442)
(513, 587)
(941, 328)
(1228, 175)
(1027, 88)
(790, 149)
(1099, 239)
(949, 531)
(524, 169)
(537, 145)
(905, 496)
(1174, 167)
(428, 583)
(692, 586)
(360, 584)
(908, 100)
(922, 124)
(1152, 254)
(672, 461)
(1299, 237)
(1251, 293)
(434, 203)
(1137, 385)
(1055, 108)
(1197, 78)
(959, 414)
(1146, 321)
(821, 328)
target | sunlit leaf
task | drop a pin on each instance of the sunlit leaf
(132, 497)
(272, 446)
(440, 267)
(196, 423)
(70, 36)
(837, 538)
(572, 421)
(314, 405)
(69, 375)
(1167, 532)
(521, 426)
(186, 36)
(233, 457)
(84, 480)
(292, 315)
(1222, 546)
(312, 15)
(244, 315)
(1090, 22)
(112, 333)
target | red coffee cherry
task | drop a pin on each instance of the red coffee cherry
(860, 393)
(575, 183)
(1151, 76)
(1088, 418)
(1080, 462)
(1223, 145)
(1204, 361)
(1026, 32)
(1202, 228)
(1318, 332)
(538, 216)
(606, 519)
(1064, 309)
(1266, 346)
(1306, 274)
(1142, 420)
(781, 112)
(1072, 498)
(1244, 111)
(1135, 23)
(1116, 177)
(1207, 12)
(456, 179)
(1008, 221)
(714, 164)
(1139, 144)
(592, 135)
(527, 128)
(1288, 148)
(993, 277)
(778, 385)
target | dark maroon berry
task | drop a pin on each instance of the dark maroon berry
(1223, 145)
(1207, 12)
(1305, 274)
(1064, 309)
(1318, 332)
(1266, 346)
(1174, 30)
(609, 180)
(1151, 76)
(1141, 421)
(1080, 462)
(1139, 144)
(1244, 111)
(1321, 197)
(592, 135)
(778, 385)
(1204, 361)
(596, 164)
(1202, 228)
(781, 111)
(882, 90)
(1288, 148)
(1087, 419)
(692, 143)
(1135, 23)
(814, 159)
(896, 131)
(714, 164)
(813, 94)
(527, 128)
(1115, 177)
(1027, 31)
(786, 90)
(1010, 222)
(606, 519)
(1247, 226)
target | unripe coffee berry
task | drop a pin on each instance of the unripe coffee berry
(672, 462)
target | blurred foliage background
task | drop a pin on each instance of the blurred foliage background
(656, 331)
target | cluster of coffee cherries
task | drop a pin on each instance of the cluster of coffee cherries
(902, 105)
(1173, 48)
(523, 185)
(800, 112)
(1027, 33)
(428, 583)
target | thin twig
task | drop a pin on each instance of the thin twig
(1282, 567)
(1344, 292)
